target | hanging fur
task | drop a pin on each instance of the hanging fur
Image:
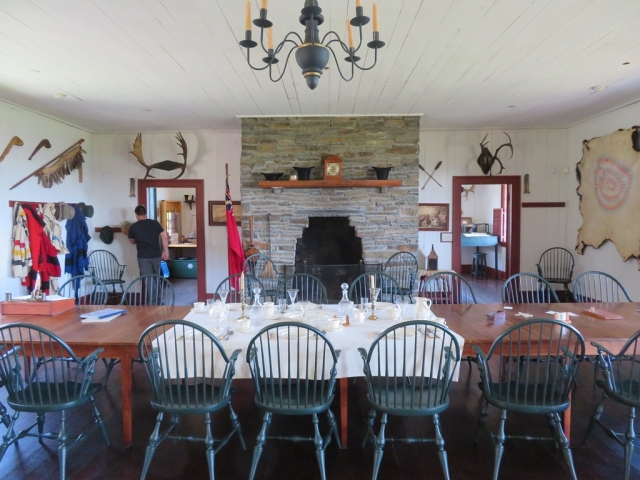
(66, 164)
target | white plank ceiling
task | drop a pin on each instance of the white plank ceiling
(167, 65)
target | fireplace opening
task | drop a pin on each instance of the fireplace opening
(330, 250)
(329, 241)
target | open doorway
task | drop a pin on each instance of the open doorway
(511, 241)
(196, 211)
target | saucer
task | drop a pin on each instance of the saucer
(245, 330)
(329, 329)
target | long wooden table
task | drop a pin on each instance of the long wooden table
(119, 338)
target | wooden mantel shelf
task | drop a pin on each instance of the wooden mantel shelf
(328, 183)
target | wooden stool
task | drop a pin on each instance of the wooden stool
(479, 267)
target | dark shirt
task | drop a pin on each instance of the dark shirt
(146, 233)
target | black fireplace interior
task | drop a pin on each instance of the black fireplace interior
(329, 241)
(330, 250)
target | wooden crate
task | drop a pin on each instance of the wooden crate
(17, 307)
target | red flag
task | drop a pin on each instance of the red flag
(236, 253)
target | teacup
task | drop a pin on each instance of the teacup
(244, 324)
(269, 309)
(199, 307)
(333, 323)
(440, 321)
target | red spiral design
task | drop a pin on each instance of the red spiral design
(612, 183)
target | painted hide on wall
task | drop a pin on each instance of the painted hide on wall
(609, 194)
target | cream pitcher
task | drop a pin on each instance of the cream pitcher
(423, 308)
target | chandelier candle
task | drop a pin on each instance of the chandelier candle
(312, 54)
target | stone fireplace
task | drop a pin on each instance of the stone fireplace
(384, 219)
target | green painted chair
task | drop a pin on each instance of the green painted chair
(310, 288)
(408, 370)
(232, 285)
(592, 287)
(150, 289)
(550, 352)
(528, 288)
(403, 268)
(293, 366)
(390, 291)
(447, 288)
(42, 375)
(556, 266)
(85, 289)
(263, 268)
(620, 383)
(190, 374)
(104, 265)
(4, 414)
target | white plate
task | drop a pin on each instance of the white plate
(292, 333)
(311, 307)
(217, 332)
(400, 334)
(311, 317)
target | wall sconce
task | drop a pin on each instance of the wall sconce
(190, 199)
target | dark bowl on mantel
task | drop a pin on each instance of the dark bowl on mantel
(382, 173)
(272, 176)
(304, 173)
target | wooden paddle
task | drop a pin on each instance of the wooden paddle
(251, 250)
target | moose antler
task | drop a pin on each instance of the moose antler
(166, 165)
(487, 159)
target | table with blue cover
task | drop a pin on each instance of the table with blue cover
(478, 239)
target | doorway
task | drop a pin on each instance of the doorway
(198, 205)
(512, 244)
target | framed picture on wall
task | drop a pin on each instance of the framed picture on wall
(433, 217)
(446, 237)
(218, 213)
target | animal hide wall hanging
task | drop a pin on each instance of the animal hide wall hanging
(609, 194)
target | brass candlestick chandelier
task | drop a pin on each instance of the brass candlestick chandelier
(312, 54)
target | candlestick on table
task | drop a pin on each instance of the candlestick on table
(242, 304)
(373, 315)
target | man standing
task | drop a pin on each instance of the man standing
(150, 240)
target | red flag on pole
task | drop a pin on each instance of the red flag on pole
(236, 253)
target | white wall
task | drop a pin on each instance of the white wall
(540, 153)
(32, 128)
(548, 156)
(207, 154)
(606, 258)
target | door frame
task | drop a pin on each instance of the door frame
(512, 260)
(200, 211)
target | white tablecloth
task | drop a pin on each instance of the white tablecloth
(347, 340)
